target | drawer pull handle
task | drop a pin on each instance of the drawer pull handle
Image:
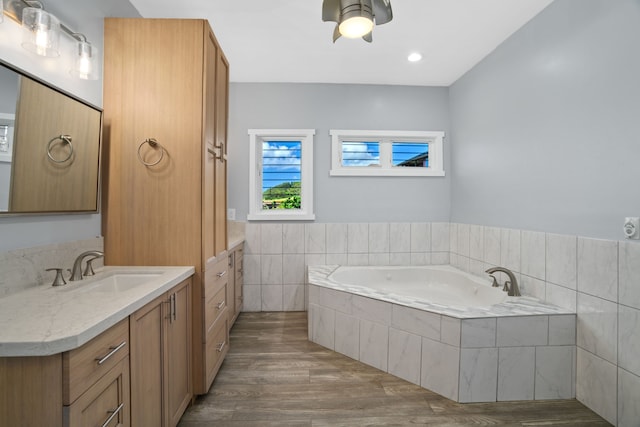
(221, 346)
(220, 304)
(113, 351)
(113, 414)
(222, 273)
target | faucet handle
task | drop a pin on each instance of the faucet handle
(88, 269)
(495, 282)
(59, 280)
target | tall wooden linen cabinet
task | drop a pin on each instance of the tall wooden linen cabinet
(164, 187)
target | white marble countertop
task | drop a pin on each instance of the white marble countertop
(48, 320)
(514, 306)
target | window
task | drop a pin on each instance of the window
(281, 174)
(386, 153)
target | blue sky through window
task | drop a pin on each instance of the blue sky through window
(405, 151)
(360, 153)
(280, 163)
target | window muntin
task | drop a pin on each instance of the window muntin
(399, 153)
(281, 174)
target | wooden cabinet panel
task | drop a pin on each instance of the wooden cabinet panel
(209, 141)
(217, 346)
(166, 79)
(147, 369)
(178, 388)
(161, 383)
(239, 280)
(215, 306)
(31, 391)
(106, 403)
(222, 102)
(85, 365)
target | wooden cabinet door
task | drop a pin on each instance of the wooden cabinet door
(222, 84)
(147, 369)
(153, 89)
(106, 403)
(231, 288)
(178, 386)
(209, 152)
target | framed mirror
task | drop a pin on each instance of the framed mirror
(49, 148)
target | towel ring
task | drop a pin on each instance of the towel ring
(63, 138)
(153, 143)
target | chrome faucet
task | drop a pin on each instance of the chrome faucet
(76, 272)
(511, 285)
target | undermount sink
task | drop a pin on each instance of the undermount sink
(113, 283)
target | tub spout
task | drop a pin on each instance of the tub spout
(511, 285)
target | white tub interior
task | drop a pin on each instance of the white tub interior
(443, 285)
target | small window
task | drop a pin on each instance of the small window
(281, 174)
(386, 153)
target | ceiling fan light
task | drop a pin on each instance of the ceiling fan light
(355, 27)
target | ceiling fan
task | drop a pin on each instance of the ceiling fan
(355, 18)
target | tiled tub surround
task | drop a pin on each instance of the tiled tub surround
(518, 350)
(598, 279)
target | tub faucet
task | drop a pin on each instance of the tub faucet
(76, 272)
(511, 285)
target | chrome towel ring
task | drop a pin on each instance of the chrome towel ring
(154, 144)
(64, 139)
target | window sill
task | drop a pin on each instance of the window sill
(273, 216)
(384, 172)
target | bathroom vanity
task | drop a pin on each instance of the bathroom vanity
(85, 353)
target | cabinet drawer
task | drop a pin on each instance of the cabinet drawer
(214, 307)
(215, 278)
(106, 400)
(217, 346)
(83, 366)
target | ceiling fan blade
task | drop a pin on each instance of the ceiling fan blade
(331, 10)
(382, 11)
(336, 33)
(367, 37)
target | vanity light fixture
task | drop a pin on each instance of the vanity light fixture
(85, 64)
(41, 35)
(355, 18)
(40, 31)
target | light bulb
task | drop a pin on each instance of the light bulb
(355, 27)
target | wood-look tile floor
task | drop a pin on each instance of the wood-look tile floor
(273, 376)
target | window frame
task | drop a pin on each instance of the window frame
(256, 138)
(435, 139)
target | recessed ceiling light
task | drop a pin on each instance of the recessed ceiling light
(414, 57)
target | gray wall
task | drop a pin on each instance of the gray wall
(329, 106)
(546, 129)
(85, 16)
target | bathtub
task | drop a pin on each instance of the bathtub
(445, 330)
(441, 285)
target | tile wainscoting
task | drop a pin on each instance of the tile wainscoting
(599, 279)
